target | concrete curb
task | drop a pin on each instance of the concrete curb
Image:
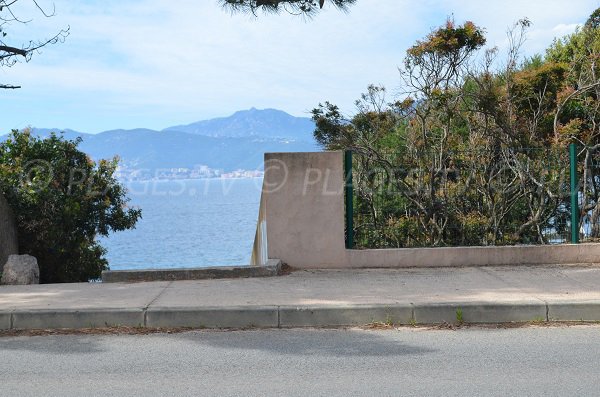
(86, 318)
(480, 312)
(305, 316)
(272, 268)
(5, 321)
(213, 317)
(574, 311)
(330, 316)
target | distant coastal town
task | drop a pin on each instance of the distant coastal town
(126, 173)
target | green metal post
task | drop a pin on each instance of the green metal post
(574, 194)
(348, 190)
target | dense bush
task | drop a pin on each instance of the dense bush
(474, 151)
(62, 201)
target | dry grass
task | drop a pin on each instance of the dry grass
(93, 331)
(374, 326)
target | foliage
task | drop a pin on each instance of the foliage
(300, 7)
(10, 53)
(474, 153)
(449, 40)
(62, 201)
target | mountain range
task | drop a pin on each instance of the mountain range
(228, 143)
(266, 123)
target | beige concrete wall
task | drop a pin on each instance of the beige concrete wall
(304, 210)
(260, 255)
(8, 233)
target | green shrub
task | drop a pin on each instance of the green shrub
(62, 201)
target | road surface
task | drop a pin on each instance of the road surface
(557, 361)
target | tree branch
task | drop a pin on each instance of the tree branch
(13, 50)
(567, 99)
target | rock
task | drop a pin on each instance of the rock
(21, 270)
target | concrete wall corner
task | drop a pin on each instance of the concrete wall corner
(304, 205)
(8, 233)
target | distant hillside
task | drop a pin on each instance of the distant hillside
(67, 133)
(146, 149)
(236, 142)
(268, 123)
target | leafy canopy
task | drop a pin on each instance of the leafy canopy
(300, 7)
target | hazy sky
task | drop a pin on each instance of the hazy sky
(156, 63)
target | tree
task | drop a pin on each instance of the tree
(300, 7)
(577, 115)
(62, 201)
(474, 152)
(11, 53)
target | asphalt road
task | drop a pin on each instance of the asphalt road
(561, 361)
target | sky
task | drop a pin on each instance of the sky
(158, 63)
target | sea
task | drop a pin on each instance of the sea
(187, 223)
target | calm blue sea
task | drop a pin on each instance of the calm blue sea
(188, 223)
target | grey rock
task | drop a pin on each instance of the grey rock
(21, 270)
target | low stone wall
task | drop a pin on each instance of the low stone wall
(304, 210)
(475, 256)
(8, 233)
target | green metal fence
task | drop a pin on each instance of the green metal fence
(504, 196)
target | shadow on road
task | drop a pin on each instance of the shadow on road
(314, 343)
